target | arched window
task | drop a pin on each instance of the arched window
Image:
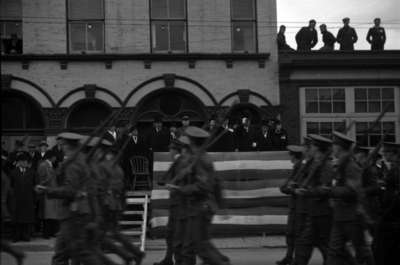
(20, 113)
(245, 110)
(171, 104)
(87, 115)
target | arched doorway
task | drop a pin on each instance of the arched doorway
(171, 104)
(87, 114)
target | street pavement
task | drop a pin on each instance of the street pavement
(241, 251)
(253, 256)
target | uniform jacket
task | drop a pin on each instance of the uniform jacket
(48, 208)
(23, 184)
(286, 189)
(346, 37)
(306, 39)
(346, 191)
(376, 35)
(328, 39)
(391, 198)
(371, 191)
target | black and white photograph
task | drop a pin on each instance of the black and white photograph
(208, 132)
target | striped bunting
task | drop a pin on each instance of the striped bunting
(250, 185)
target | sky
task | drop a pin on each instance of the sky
(296, 13)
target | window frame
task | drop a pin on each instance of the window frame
(349, 115)
(68, 21)
(185, 20)
(14, 21)
(255, 23)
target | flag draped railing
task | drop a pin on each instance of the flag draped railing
(251, 180)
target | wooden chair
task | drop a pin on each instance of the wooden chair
(140, 172)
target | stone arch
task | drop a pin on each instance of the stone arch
(88, 92)
(170, 80)
(27, 113)
(254, 98)
(86, 114)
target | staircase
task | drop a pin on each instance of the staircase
(134, 220)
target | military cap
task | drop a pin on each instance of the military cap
(196, 132)
(312, 21)
(185, 117)
(43, 143)
(320, 141)
(346, 19)
(362, 149)
(295, 148)
(184, 140)
(391, 147)
(342, 140)
(70, 136)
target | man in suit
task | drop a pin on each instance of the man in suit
(328, 39)
(376, 36)
(57, 149)
(111, 135)
(307, 37)
(173, 134)
(264, 138)
(347, 36)
(279, 137)
(245, 136)
(34, 155)
(158, 138)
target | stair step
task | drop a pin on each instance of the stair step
(133, 212)
(135, 200)
(138, 193)
(131, 233)
(123, 222)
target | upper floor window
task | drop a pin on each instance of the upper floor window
(374, 99)
(86, 26)
(168, 25)
(325, 100)
(11, 26)
(243, 15)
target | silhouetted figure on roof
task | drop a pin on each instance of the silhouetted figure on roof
(328, 39)
(307, 37)
(376, 36)
(281, 40)
(347, 36)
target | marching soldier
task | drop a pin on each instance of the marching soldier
(347, 36)
(348, 224)
(175, 149)
(296, 157)
(314, 188)
(376, 36)
(388, 230)
(77, 192)
(202, 194)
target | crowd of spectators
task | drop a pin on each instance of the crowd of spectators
(307, 37)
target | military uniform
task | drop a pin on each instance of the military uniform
(346, 37)
(348, 224)
(376, 36)
(318, 220)
(77, 192)
(288, 189)
(388, 229)
(329, 41)
(306, 39)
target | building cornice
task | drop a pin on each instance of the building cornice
(147, 58)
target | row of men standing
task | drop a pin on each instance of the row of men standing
(334, 202)
(307, 37)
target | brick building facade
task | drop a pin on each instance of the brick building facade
(85, 59)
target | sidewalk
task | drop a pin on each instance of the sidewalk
(159, 244)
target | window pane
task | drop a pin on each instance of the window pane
(311, 94)
(374, 140)
(326, 127)
(325, 107)
(243, 9)
(374, 93)
(374, 106)
(312, 127)
(159, 9)
(360, 93)
(243, 36)
(338, 94)
(178, 36)
(11, 27)
(389, 138)
(339, 107)
(361, 106)
(362, 140)
(339, 126)
(388, 93)
(375, 129)
(160, 36)
(95, 36)
(389, 105)
(177, 9)
(325, 94)
(85, 9)
(361, 127)
(312, 107)
(77, 36)
(388, 127)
